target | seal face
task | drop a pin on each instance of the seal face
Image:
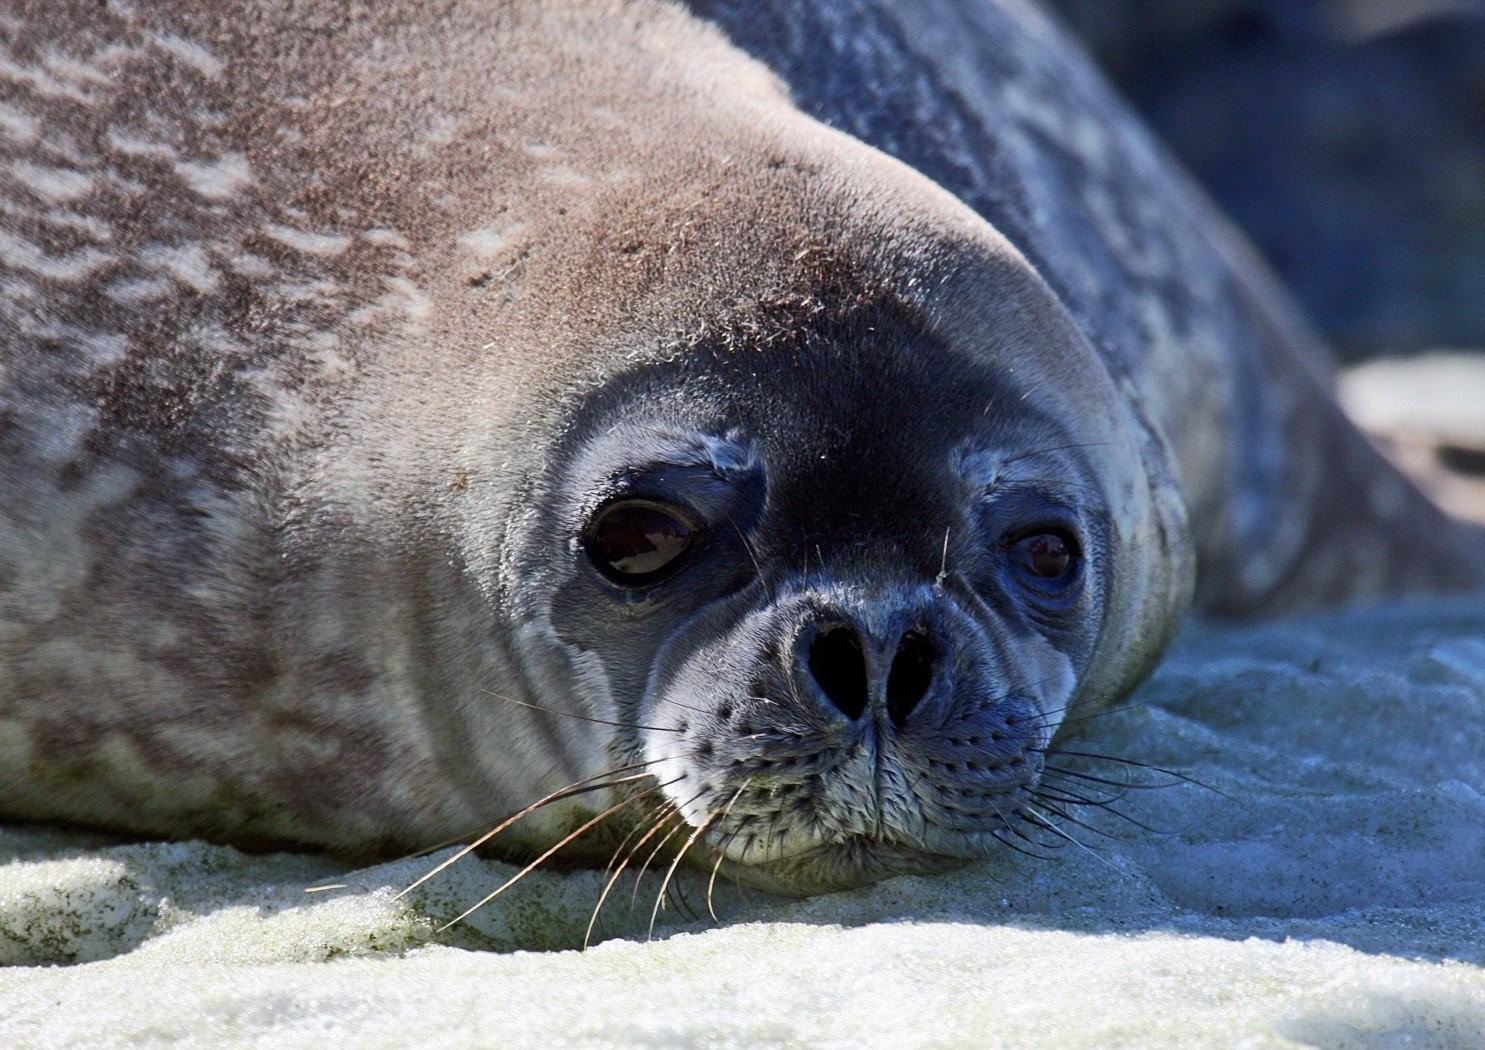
(828, 600)
(400, 428)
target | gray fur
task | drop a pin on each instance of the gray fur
(310, 314)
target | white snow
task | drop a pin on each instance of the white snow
(1439, 393)
(1336, 898)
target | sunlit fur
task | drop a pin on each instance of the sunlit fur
(326, 327)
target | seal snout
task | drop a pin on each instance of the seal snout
(848, 668)
(851, 731)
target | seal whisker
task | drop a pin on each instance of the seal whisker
(753, 557)
(1049, 753)
(742, 858)
(711, 882)
(1054, 448)
(639, 826)
(1014, 828)
(677, 892)
(1096, 714)
(1058, 811)
(1005, 822)
(661, 815)
(995, 834)
(1123, 785)
(670, 872)
(583, 718)
(1055, 752)
(414, 855)
(1051, 825)
(569, 791)
(722, 850)
(1068, 796)
(673, 702)
(737, 882)
(645, 867)
(587, 826)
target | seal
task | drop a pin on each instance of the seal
(772, 418)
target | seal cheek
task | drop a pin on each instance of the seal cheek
(702, 695)
(968, 765)
(1048, 678)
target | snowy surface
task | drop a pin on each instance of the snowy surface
(1336, 897)
(1441, 393)
(1427, 415)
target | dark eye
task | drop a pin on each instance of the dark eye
(639, 542)
(1051, 557)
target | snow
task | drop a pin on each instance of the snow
(1330, 891)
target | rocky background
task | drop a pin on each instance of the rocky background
(1346, 136)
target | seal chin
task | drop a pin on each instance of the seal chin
(856, 861)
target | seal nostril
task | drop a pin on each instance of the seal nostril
(839, 667)
(911, 675)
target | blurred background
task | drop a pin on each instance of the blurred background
(1347, 137)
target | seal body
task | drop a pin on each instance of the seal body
(405, 412)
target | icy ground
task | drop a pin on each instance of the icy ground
(1336, 898)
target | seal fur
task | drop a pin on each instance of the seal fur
(325, 327)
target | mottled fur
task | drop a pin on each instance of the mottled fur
(298, 300)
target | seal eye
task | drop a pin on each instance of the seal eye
(1051, 557)
(639, 542)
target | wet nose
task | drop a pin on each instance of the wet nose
(852, 674)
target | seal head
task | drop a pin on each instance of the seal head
(839, 570)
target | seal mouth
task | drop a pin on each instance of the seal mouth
(769, 851)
